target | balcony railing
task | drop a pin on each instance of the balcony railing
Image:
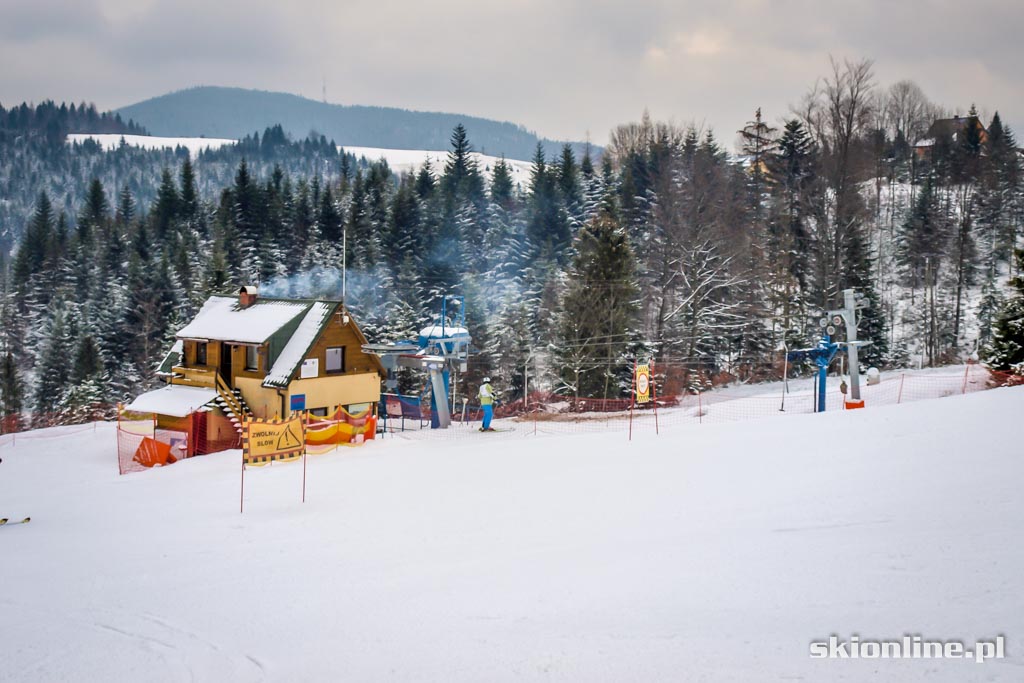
(196, 377)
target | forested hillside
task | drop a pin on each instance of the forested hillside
(665, 246)
(233, 112)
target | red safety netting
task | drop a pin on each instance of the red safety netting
(550, 414)
(145, 440)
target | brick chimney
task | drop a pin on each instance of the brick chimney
(247, 296)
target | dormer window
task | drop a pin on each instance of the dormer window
(200, 353)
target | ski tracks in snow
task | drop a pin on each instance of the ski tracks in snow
(186, 654)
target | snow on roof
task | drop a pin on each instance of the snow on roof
(447, 331)
(220, 318)
(295, 349)
(926, 142)
(174, 400)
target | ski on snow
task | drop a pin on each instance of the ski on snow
(4, 521)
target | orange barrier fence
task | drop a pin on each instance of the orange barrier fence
(324, 434)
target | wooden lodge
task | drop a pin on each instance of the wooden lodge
(252, 356)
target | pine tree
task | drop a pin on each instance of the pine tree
(569, 181)
(502, 187)
(53, 370)
(36, 243)
(87, 359)
(923, 237)
(10, 394)
(165, 211)
(462, 179)
(188, 204)
(548, 224)
(94, 214)
(598, 311)
(1005, 352)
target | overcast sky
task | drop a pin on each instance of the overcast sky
(563, 68)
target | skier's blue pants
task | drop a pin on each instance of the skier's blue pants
(488, 414)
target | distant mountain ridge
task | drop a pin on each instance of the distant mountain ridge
(222, 112)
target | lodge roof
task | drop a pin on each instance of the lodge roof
(222, 318)
(952, 127)
(304, 336)
(289, 328)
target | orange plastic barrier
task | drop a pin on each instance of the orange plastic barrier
(341, 428)
(152, 452)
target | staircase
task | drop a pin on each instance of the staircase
(231, 402)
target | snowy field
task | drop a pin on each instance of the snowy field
(399, 160)
(710, 553)
(111, 141)
(410, 160)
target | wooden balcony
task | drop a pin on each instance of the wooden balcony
(195, 377)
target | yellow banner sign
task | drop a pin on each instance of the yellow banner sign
(266, 440)
(643, 383)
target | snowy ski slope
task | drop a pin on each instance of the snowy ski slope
(709, 553)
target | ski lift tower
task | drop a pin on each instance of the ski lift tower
(847, 315)
(439, 349)
(823, 353)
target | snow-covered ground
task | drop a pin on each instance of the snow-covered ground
(710, 553)
(399, 160)
(111, 141)
(402, 160)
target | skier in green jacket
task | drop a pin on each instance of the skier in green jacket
(487, 396)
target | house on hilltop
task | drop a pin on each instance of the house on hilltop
(949, 129)
(252, 356)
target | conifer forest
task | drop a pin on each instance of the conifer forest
(708, 251)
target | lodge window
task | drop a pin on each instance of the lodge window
(252, 358)
(200, 353)
(336, 359)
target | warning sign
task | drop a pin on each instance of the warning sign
(267, 440)
(643, 383)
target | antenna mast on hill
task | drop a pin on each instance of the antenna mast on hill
(324, 80)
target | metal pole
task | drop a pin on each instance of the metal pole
(785, 375)
(455, 388)
(899, 396)
(850, 304)
(344, 261)
(815, 406)
(822, 375)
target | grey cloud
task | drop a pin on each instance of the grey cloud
(560, 68)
